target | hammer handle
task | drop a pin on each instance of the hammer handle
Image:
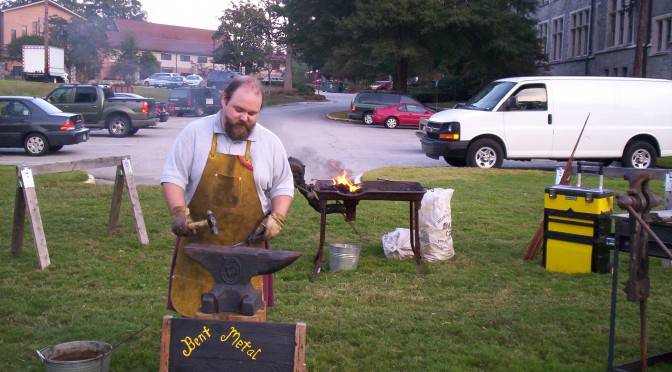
(197, 224)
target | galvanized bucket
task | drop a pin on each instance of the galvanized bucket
(343, 256)
(77, 356)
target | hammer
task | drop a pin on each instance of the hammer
(209, 221)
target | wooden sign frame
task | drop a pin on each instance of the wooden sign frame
(26, 199)
(192, 344)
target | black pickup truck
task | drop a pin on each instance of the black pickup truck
(121, 116)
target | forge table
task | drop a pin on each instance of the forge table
(370, 190)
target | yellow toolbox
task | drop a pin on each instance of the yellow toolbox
(576, 220)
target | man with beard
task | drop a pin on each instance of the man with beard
(229, 164)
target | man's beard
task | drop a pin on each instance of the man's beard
(237, 131)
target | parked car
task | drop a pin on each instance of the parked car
(38, 126)
(100, 109)
(401, 114)
(221, 79)
(176, 82)
(195, 80)
(195, 101)
(385, 85)
(361, 107)
(150, 80)
(273, 79)
(161, 81)
(161, 108)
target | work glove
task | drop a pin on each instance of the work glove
(181, 221)
(269, 228)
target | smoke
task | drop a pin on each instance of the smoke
(320, 168)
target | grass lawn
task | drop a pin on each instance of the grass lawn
(486, 309)
(13, 87)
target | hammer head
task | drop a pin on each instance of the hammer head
(212, 223)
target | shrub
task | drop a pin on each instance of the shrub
(306, 90)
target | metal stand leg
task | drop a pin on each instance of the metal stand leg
(415, 235)
(320, 250)
(612, 318)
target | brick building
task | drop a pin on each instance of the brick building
(183, 50)
(27, 19)
(597, 37)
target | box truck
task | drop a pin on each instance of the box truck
(33, 64)
(541, 117)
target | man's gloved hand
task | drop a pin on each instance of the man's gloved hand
(181, 221)
(269, 228)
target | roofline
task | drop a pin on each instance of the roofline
(519, 79)
(38, 2)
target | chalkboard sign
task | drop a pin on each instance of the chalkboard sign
(190, 344)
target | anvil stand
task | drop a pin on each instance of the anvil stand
(414, 210)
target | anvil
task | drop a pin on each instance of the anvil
(232, 269)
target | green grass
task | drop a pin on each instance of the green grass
(13, 87)
(486, 309)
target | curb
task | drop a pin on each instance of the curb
(345, 120)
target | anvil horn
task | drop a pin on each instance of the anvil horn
(232, 269)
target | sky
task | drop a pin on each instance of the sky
(198, 14)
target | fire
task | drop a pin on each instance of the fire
(344, 180)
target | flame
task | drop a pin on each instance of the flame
(343, 179)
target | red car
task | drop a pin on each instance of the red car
(401, 114)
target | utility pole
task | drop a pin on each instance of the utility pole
(640, 47)
(288, 68)
(46, 41)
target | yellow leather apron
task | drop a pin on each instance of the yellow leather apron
(227, 189)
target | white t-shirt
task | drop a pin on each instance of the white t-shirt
(186, 161)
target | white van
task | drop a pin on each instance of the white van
(541, 117)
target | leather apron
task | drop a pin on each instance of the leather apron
(227, 189)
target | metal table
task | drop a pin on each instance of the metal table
(412, 192)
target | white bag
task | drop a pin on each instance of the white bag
(436, 240)
(397, 244)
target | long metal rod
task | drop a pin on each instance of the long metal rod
(354, 229)
(643, 336)
(612, 319)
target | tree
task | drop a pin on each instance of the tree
(365, 39)
(15, 48)
(246, 32)
(104, 11)
(127, 59)
(278, 24)
(87, 46)
(148, 64)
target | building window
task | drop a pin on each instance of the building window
(36, 27)
(13, 35)
(662, 33)
(24, 30)
(166, 56)
(542, 34)
(579, 33)
(184, 58)
(556, 39)
(202, 60)
(620, 23)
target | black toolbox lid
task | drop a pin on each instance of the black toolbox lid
(579, 191)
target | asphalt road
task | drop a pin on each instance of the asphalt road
(304, 128)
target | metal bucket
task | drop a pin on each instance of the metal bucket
(77, 356)
(343, 256)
